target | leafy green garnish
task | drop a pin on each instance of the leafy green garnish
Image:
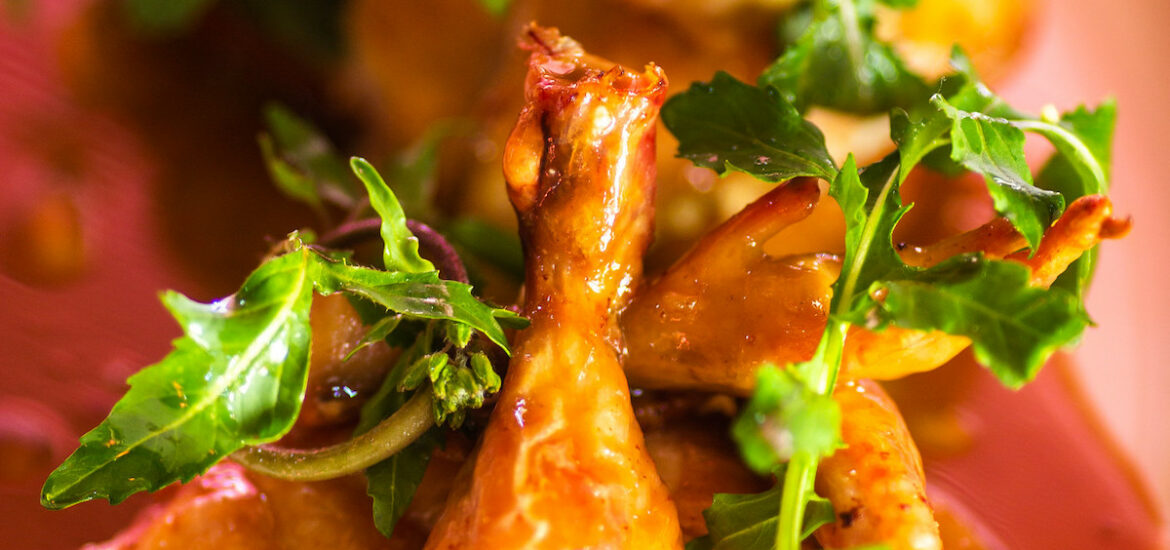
(748, 522)
(302, 162)
(783, 418)
(400, 252)
(729, 125)
(838, 63)
(236, 378)
(1067, 174)
(238, 375)
(995, 148)
(391, 483)
(1013, 326)
(164, 17)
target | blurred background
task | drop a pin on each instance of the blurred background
(129, 164)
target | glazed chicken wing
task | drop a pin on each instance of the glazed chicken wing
(562, 462)
(875, 482)
(773, 309)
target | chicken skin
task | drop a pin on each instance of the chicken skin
(774, 309)
(562, 462)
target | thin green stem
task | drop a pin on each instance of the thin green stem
(798, 483)
(383, 441)
(1057, 134)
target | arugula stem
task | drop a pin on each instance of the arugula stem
(798, 483)
(437, 249)
(1055, 133)
(383, 441)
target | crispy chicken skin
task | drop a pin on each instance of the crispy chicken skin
(875, 482)
(562, 462)
(773, 309)
(229, 508)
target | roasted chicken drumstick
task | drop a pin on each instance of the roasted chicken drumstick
(562, 462)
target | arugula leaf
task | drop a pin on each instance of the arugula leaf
(994, 147)
(1013, 326)
(729, 125)
(785, 417)
(164, 18)
(489, 244)
(839, 63)
(392, 483)
(401, 246)
(377, 332)
(302, 162)
(496, 7)
(412, 173)
(872, 206)
(748, 522)
(236, 378)
(1095, 130)
(418, 295)
(924, 128)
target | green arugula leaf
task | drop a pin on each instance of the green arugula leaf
(1094, 129)
(728, 125)
(392, 483)
(872, 206)
(418, 295)
(412, 173)
(785, 417)
(994, 147)
(496, 7)
(924, 128)
(489, 244)
(376, 333)
(1014, 327)
(164, 18)
(748, 522)
(302, 162)
(839, 63)
(401, 246)
(236, 378)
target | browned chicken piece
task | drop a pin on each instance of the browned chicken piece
(875, 482)
(896, 352)
(338, 383)
(696, 459)
(562, 462)
(229, 508)
(773, 309)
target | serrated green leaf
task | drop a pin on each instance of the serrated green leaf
(923, 129)
(1072, 175)
(236, 378)
(392, 483)
(872, 206)
(420, 295)
(400, 252)
(840, 64)
(489, 244)
(411, 174)
(164, 18)
(994, 147)
(748, 521)
(785, 417)
(727, 124)
(302, 162)
(376, 333)
(1014, 327)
